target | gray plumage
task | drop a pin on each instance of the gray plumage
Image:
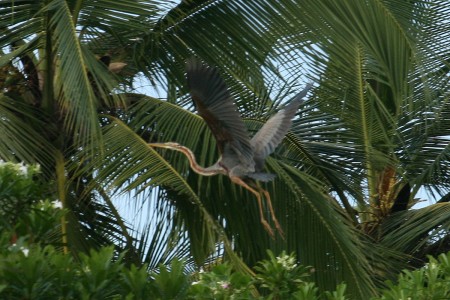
(240, 155)
(273, 131)
(215, 105)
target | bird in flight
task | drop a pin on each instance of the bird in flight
(241, 158)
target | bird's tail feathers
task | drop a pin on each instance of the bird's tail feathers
(264, 177)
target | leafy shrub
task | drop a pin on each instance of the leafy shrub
(19, 189)
(430, 282)
(170, 283)
(276, 278)
(45, 273)
(221, 283)
(281, 276)
(26, 211)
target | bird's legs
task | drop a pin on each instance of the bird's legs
(266, 225)
(272, 213)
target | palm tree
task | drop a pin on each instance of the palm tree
(363, 145)
(384, 84)
(54, 85)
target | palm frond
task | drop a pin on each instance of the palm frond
(418, 232)
(75, 93)
(317, 221)
(22, 141)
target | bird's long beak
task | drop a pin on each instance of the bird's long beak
(157, 145)
(162, 145)
(303, 93)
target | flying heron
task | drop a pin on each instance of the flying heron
(242, 158)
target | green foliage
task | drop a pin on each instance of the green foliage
(42, 223)
(281, 275)
(33, 272)
(19, 190)
(276, 278)
(221, 282)
(99, 272)
(26, 212)
(339, 294)
(171, 284)
(429, 282)
(44, 273)
(376, 123)
(31, 267)
(29, 270)
(135, 280)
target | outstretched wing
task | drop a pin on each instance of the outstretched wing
(273, 131)
(215, 105)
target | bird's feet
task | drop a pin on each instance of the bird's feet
(278, 227)
(268, 228)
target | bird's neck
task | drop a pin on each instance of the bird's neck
(209, 171)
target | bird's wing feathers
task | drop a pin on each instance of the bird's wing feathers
(215, 105)
(273, 131)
